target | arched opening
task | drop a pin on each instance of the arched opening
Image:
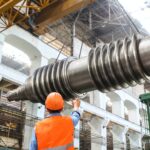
(16, 59)
(22, 53)
(113, 104)
(131, 113)
(91, 128)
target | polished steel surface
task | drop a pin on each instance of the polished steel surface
(108, 67)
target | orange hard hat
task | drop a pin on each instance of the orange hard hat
(54, 101)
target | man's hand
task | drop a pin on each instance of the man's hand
(76, 104)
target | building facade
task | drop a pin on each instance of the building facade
(110, 121)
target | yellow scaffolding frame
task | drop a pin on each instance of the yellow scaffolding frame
(17, 11)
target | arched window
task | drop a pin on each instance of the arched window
(114, 103)
(29, 55)
(131, 109)
(16, 59)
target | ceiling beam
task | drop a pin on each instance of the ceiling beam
(58, 10)
(5, 5)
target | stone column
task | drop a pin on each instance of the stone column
(103, 133)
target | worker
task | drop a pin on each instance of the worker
(56, 132)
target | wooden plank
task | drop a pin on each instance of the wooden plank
(58, 10)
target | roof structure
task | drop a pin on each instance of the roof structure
(103, 21)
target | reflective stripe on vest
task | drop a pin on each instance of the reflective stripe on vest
(65, 147)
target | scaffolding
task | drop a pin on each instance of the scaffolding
(12, 122)
(87, 137)
(102, 21)
(11, 127)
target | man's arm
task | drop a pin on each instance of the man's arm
(75, 115)
(33, 145)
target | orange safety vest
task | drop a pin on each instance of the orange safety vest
(55, 133)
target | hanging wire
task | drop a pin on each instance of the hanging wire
(80, 49)
(60, 53)
(74, 30)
